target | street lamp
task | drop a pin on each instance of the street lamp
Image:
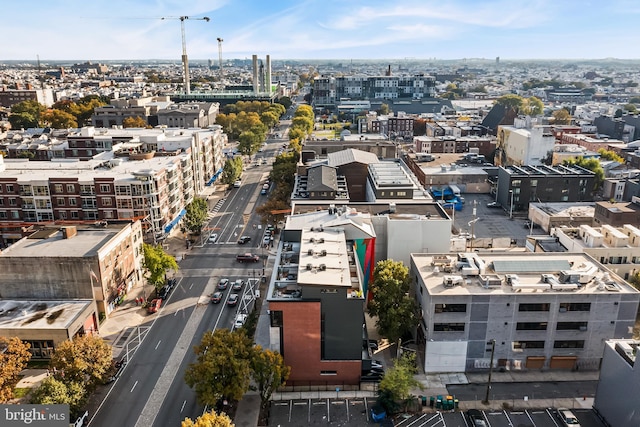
(511, 205)
(493, 349)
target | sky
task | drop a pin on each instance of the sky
(94, 30)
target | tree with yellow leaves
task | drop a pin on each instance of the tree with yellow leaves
(209, 419)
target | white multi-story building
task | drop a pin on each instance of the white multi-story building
(523, 143)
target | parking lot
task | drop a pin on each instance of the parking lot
(356, 412)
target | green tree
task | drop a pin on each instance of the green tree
(630, 108)
(303, 123)
(306, 111)
(618, 113)
(610, 155)
(399, 380)
(268, 372)
(157, 262)
(86, 360)
(384, 109)
(196, 215)
(511, 101)
(26, 114)
(532, 106)
(134, 122)
(55, 392)
(278, 109)
(634, 100)
(634, 280)
(14, 355)
(394, 308)
(269, 118)
(58, 119)
(222, 368)
(285, 101)
(591, 164)
(209, 419)
(561, 117)
(232, 170)
(249, 142)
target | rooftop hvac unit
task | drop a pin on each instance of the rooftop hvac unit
(310, 252)
(312, 240)
(322, 267)
(321, 240)
(323, 253)
(309, 266)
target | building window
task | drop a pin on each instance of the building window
(571, 326)
(62, 215)
(3, 215)
(60, 201)
(533, 307)
(575, 306)
(328, 372)
(522, 345)
(74, 215)
(276, 319)
(73, 202)
(448, 327)
(12, 202)
(531, 326)
(1, 202)
(9, 188)
(106, 201)
(41, 349)
(71, 188)
(105, 188)
(569, 344)
(57, 188)
(451, 308)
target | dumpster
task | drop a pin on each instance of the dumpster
(449, 406)
(455, 403)
(432, 401)
(439, 402)
(424, 400)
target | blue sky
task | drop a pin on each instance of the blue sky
(313, 29)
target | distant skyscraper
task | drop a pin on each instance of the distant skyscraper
(497, 60)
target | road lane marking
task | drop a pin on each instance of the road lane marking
(157, 345)
(134, 386)
(176, 313)
(183, 403)
(191, 286)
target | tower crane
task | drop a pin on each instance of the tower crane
(220, 55)
(185, 60)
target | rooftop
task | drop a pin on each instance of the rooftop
(510, 273)
(40, 314)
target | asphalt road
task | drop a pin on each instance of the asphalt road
(151, 390)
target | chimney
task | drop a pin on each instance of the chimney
(267, 76)
(69, 231)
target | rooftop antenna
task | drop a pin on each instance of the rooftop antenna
(220, 40)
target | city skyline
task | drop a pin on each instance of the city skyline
(416, 29)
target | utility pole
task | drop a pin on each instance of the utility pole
(220, 40)
(185, 60)
(493, 349)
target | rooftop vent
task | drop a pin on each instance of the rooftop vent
(309, 266)
(310, 252)
(322, 267)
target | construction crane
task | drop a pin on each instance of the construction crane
(220, 55)
(185, 60)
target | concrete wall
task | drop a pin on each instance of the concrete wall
(404, 237)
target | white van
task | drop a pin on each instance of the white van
(237, 184)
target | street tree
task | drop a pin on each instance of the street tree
(55, 392)
(134, 122)
(395, 310)
(268, 371)
(86, 360)
(303, 123)
(249, 142)
(561, 117)
(231, 170)
(157, 263)
(269, 118)
(196, 215)
(209, 419)
(395, 388)
(14, 355)
(223, 368)
(304, 110)
(58, 119)
(285, 101)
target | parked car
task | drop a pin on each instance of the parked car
(263, 192)
(372, 377)
(373, 345)
(493, 205)
(237, 285)
(237, 184)
(233, 300)
(213, 238)
(217, 297)
(476, 419)
(244, 239)
(154, 306)
(223, 284)
(567, 417)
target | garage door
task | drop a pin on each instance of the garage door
(563, 362)
(535, 362)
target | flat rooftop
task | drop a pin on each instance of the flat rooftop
(401, 209)
(46, 314)
(50, 243)
(511, 273)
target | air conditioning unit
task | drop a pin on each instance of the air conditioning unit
(322, 267)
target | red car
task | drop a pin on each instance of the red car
(154, 306)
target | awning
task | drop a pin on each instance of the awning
(214, 177)
(173, 223)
